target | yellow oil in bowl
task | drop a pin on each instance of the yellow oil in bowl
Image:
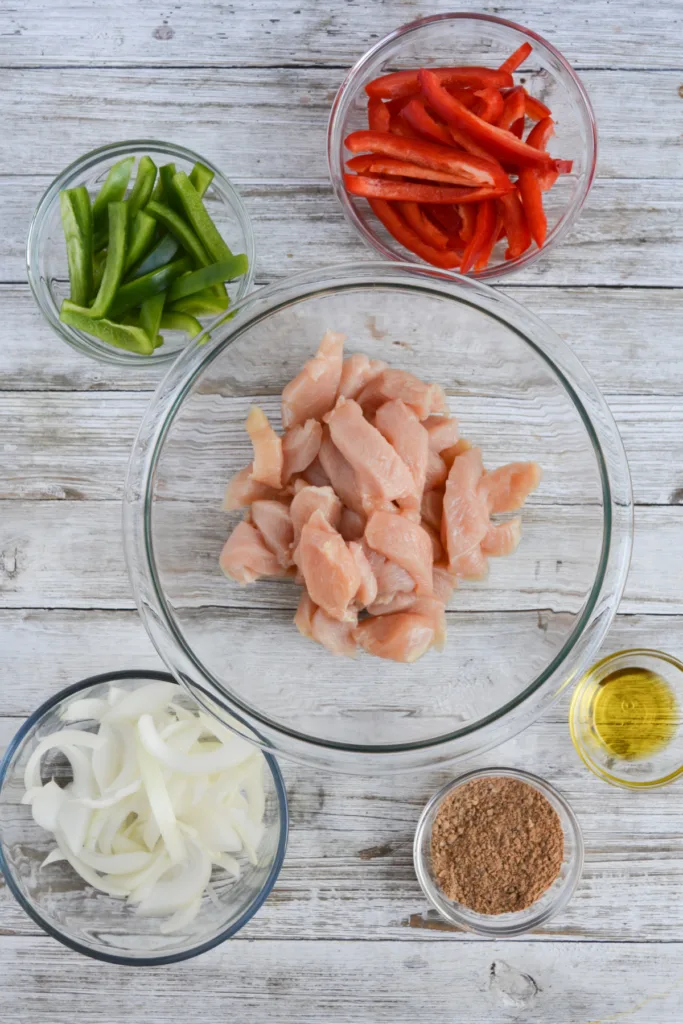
(634, 713)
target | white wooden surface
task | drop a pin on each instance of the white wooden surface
(346, 935)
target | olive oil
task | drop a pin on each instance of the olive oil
(634, 713)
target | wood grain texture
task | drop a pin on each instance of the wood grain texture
(291, 32)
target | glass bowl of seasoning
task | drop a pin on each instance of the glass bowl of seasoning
(498, 852)
(625, 719)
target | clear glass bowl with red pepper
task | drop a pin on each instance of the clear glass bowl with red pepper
(482, 164)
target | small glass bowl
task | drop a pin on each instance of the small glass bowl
(46, 262)
(658, 769)
(553, 899)
(453, 39)
(102, 926)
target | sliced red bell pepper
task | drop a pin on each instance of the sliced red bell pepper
(410, 191)
(541, 133)
(491, 105)
(482, 260)
(534, 109)
(468, 216)
(515, 224)
(392, 168)
(379, 116)
(513, 109)
(532, 200)
(470, 169)
(396, 106)
(418, 117)
(399, 126)
(518, 127)
(449, 219)
(484, 228)
(396, 226)
(495, 140)
(406, 83)
(422, 225)
(516, 58)
(466, 96)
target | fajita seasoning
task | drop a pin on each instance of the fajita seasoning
(497, 845)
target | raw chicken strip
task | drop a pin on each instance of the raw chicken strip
(424, 399)
(432, 507)
(339, 473)
(381, 474)
(439, 556)
(502, 538)
(443, 432)
(437, 471)
(507, 488)
(391, 580)
(273, 520)
(316, 475)
(402, 429)
(267, 467)
(449, 455)
(300, 446)
(404, 542)
(303, 620)
(431, 607)
(465, 514)
(367, 591)
(245, 556)
(473, 565)
(309, 500)
(313, 391)
(400, 602)
(352, 526)
(400, 637)
(336, 636)
(357, 371)
(444, 584)
(328, 567)
(242, 490)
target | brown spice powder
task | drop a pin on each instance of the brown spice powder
(497, 845)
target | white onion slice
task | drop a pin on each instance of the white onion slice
(114, 798)
(66, 740)
(176, 922)
(191, 764)
(160, 803)
(84, 709)
(53, 857)
(47, 804)
(144, 701)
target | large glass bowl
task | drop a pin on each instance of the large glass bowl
(515, 640)
(92, 922)
(452, 39)
(46, 263)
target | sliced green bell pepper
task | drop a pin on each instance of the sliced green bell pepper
(162, 253)
(201, 177)
(113, 267)
(150, 315)
(181, 322)
(140, 237)
(180, 230)
(199, 218)
(134, 339)
(206, 277)
(141, 192)
(204, 303)
(77, 225)
(113, 190)
(136, 292)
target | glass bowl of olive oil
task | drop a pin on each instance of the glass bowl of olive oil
(626, 719)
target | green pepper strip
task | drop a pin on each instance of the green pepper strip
(113, 267)
(177, 226)
(168, 196)
(83, 211)
(201, 177)
(150, 315)
(182, 322)
(162, 253)
(112, 191)
(141, 236)
(78, 247)
(199, 218)
(132, 338)
(135, 292)
(206, 277)
(144, 184)
(204, 303)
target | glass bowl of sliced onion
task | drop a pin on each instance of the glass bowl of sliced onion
(134, 827)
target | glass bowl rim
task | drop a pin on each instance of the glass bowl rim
(148, 961)
(190, 366)
(94, 348)
(510, 928)
(576, 732)
(572, 210)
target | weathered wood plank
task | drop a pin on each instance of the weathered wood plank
(628, 340)
(628, 233)
(271, 124)
(289, 32)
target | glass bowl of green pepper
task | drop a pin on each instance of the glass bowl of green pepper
(136, 248)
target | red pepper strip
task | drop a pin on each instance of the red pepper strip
(469, 169)
(532, 200)
(448, 217)
(468, 216)
(515, 224)
(513, 109)
(516, 58)
(495, 140)
(406, 83)
(482, 260)
(541, 133)
(396, 106)
(484, 228)
(389, 167)
(467, 143)
(466, 96)
(419, 118)
(397, 227)
(518, 128)
(399, 126)
(379, 116)
(421, 224)
(492, 104)
(381, 188)
(534, 108)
